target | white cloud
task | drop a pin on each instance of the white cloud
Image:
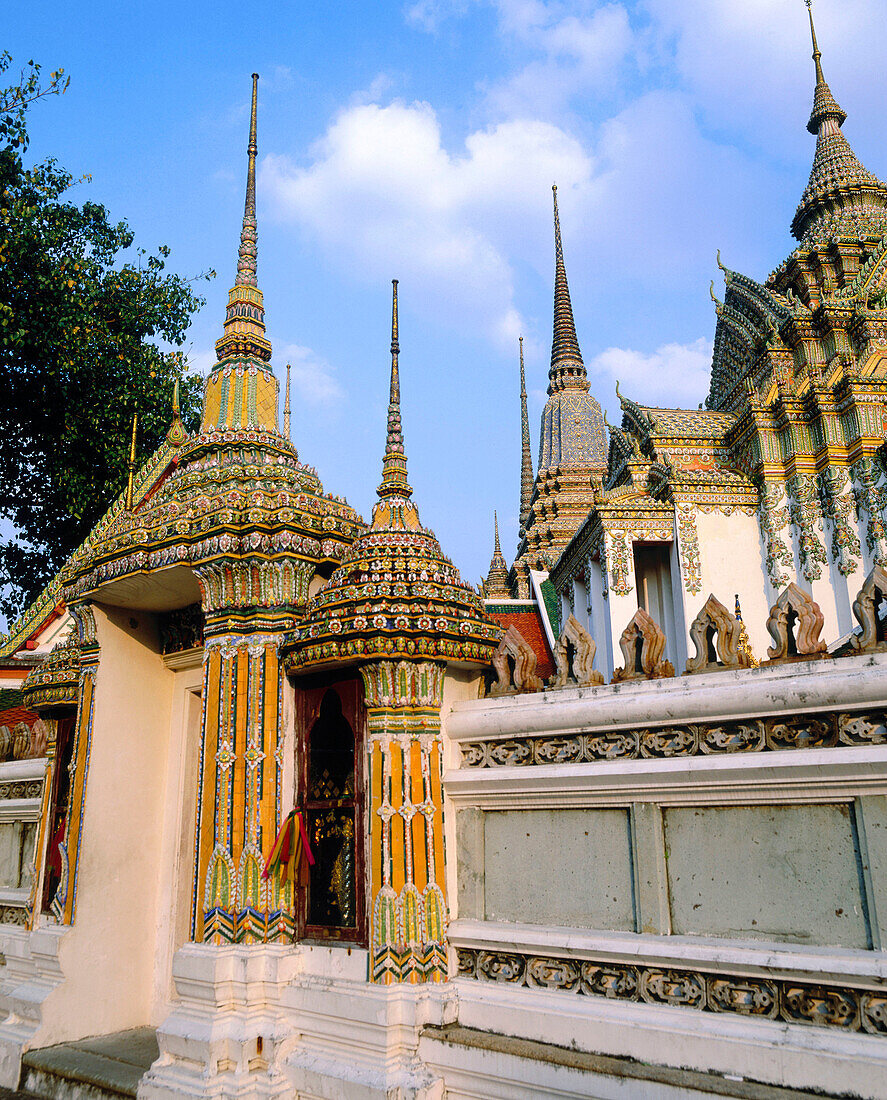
(748, 64)
(385, 196)
(672, 376)
(429, 14)
(313, 380)
(577, 53)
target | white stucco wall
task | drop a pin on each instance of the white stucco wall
(123, 887)
(732, 562)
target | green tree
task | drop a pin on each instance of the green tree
(80, 311)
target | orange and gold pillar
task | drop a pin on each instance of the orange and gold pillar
(407, 874)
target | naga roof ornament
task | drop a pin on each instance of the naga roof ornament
(842, 198)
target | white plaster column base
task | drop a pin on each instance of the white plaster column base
(30, 973)
(297, 1020)
(223, 1039)
(359, 1041)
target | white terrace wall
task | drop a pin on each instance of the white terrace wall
(691, 872)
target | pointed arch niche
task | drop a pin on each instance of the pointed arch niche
(329, 773)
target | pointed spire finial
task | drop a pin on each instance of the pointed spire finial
(395, 508)
(496, 584)
(824, 105)
(132, 461)
(817, 56)
(246, 259)
(176, 435)
(526, 463)
(286, 405)
(567, 369)
(245, 315)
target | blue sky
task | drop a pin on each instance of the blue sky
(419, 140)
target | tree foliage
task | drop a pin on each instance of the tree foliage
(80, 311)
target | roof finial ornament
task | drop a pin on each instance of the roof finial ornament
(496, 584)
(132, 461)
(246, 260)
(395, 508)
(817, 56)
(286, 405)
(567, 369)
(245, 315)
(176, 435)
(526, 463)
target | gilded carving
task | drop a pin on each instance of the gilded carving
(574, 657)
(794, 625)
(643, 649)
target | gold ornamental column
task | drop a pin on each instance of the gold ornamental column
(239, 794)
(408, 908)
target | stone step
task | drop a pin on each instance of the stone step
(106, 1067)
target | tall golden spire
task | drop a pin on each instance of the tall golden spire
(245, 316)
(132, 461)
(286, 405)
(567, 369)
(241, 392)
(395, 508)
(526, 462)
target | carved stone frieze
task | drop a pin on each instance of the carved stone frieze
(574, 657)
(794, 624)
(717, 637)
(13, 914)
(522, 677)
(866, 608)
(643, 649)
(831, 1006)
(771, 734)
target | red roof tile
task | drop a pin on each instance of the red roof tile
(529, 623)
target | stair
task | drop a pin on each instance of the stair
(107, 1067)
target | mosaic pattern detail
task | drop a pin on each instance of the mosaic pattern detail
(56, 681)
(688, 541)
(774, 734)
(774, 519)
(64, 903)
(829, 1006)
(408, 909)
(806, 516)
(238, 811)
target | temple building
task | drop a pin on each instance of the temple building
(289, 810)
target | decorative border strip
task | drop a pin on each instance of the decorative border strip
(831, 1006)
(807, 731)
